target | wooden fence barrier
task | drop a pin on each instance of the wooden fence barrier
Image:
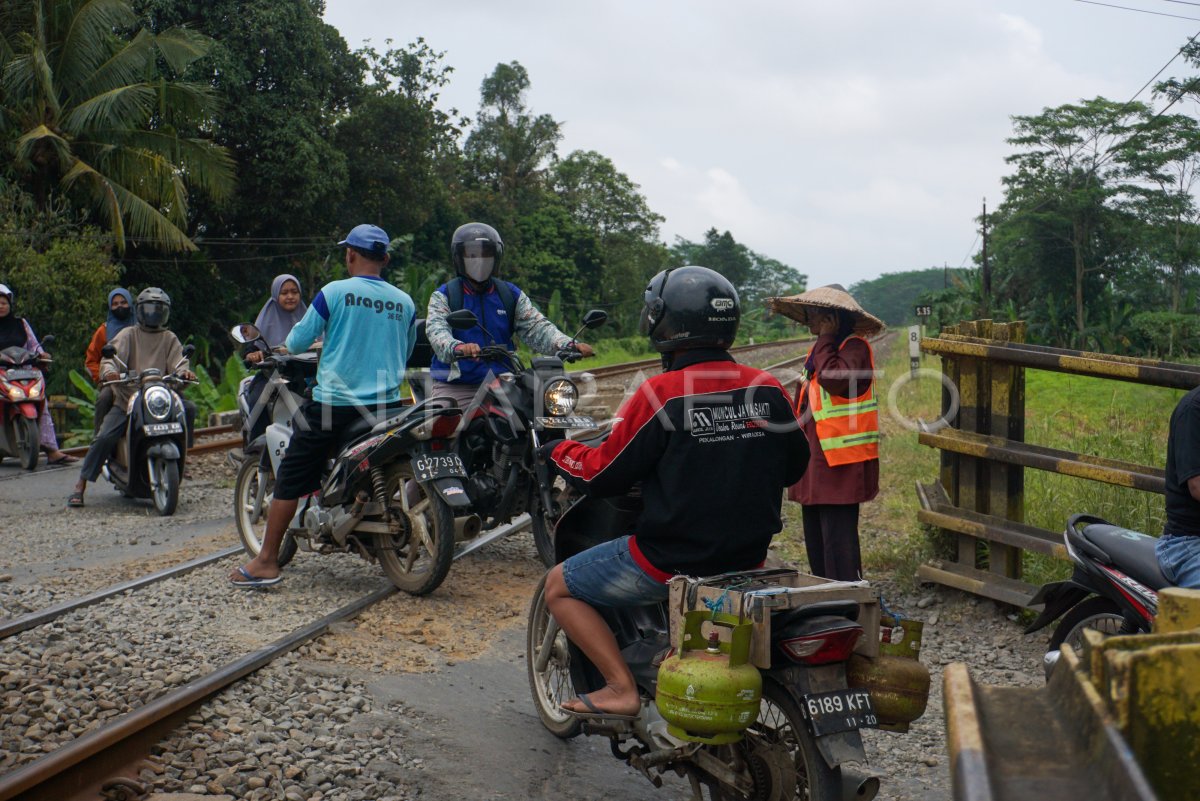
(978, 498)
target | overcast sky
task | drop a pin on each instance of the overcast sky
(844, 138)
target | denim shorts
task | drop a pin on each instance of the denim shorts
(607, 575)
(1179, 557)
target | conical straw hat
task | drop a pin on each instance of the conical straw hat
(827, 297)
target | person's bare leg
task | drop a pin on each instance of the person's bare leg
(266, 564)
(587, 629)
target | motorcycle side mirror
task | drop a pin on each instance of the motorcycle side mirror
(108, 351)
(462, 319)
(48, 341)
(188, 350)
(595, 318)
(244, 333)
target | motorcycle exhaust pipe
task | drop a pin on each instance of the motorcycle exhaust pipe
(467, 528)
(858, 786)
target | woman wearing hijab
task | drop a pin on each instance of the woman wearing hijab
(836, 405)
(15, 331)
(274, 322)
(120, 316)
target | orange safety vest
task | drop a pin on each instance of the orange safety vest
(847, 428)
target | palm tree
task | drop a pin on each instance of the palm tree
(89, 104)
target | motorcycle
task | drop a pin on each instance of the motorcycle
(22, 396)
(148, 459)
(1113, 589)
(799, 740)
(524, 407)
(389, 493)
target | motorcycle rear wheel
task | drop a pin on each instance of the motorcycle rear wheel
(780, 722)
(27, 442)
(552, 686)
(417, 561)
(1097, 613)
(251, 522)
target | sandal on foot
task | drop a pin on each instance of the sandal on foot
(75, 500)
(595, 712)
(249, 582)
(66, 458)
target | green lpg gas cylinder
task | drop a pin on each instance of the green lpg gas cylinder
(708, 691)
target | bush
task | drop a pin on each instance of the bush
(1164, 333)
(60, 273)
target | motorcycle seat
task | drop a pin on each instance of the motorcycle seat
(783, 618)
(1130, 551)
(367, 423)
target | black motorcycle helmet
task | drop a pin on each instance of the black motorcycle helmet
(690, 307)
(153, 308)
(471, 246)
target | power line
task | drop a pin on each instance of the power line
(1139, 10)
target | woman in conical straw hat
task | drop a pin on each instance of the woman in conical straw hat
(836, 404)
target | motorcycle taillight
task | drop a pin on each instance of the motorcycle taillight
(445, 425)
(834, 645)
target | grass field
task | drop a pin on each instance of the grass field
(1114, 419)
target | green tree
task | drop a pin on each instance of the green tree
(60, 271)
(397, 142)
(1069, 181)
(605, 201)
(103, 117)
(510, 147)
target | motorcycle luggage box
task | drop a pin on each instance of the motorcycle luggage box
(753, 594)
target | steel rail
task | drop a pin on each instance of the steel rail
(81, 768)
(15, 625)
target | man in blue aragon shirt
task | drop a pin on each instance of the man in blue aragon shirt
(369, 327)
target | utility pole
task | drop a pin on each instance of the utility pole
(987, 270)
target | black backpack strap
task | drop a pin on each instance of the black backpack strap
(454, 293)
(504, 290)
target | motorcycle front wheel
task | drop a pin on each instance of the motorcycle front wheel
(551, 685)
(27, 442)
(165, 492)
(417, 558)
(780, 733)
(250, 504)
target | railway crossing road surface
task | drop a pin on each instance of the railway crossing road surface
(476, 729)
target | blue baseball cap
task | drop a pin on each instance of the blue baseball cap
(368, 237)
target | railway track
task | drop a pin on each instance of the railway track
(88, 686)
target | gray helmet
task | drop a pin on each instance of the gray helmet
(153, 308)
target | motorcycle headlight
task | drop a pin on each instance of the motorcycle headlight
(560, 397)
(14, 392)
(158, 402)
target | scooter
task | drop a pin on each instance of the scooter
(148, 459)
(800, 740)
(22, 396)
(1113, 590)
(389, 493)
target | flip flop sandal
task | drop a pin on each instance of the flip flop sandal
(75, 500)
(66, 458)
(596, 713)
(249, 582)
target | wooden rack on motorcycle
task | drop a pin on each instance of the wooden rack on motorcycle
(978, 499)
(754, 684)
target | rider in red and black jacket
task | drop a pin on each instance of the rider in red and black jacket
(713, 443)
